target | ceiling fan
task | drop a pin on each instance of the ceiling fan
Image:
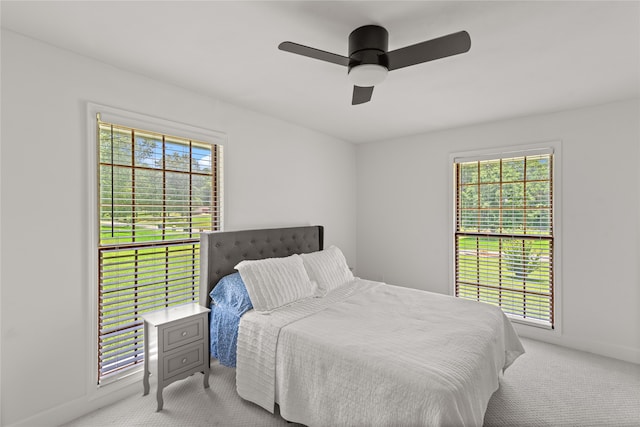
(369, 62)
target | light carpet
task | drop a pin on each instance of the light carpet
(547, 386)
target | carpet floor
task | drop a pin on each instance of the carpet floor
(547, 386)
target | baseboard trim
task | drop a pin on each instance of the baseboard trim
(625, 353)
(69, 411)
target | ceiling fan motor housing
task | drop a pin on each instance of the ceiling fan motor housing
(368, 45)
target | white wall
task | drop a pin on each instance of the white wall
(276, 174)
(280, 174)
(404, 216)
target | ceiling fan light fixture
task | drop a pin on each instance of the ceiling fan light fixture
(367, 75)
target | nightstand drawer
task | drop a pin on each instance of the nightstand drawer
(183, 361)
(183, 333)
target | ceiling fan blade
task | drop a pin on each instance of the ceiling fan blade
(314, 53)
(429, 50)
(361, 95)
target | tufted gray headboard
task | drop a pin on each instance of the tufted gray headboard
(221, 251)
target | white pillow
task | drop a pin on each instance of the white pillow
(275, 282)
(328, 268)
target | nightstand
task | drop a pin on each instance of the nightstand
(182, 345)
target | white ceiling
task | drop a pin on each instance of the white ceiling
(525, 58)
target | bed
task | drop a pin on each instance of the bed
(356, 352)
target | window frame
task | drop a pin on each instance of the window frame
(121, 382)
(523, 326)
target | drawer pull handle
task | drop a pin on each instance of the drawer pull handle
(184, 333)
(184, 360)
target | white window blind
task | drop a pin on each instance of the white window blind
(504, 233)
(156, 194)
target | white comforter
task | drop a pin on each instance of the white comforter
(371, 354)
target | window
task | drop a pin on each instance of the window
(504, 234)
(156, 193)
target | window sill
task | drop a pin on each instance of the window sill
(530, 322)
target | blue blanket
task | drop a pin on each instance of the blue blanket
(229, 301)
